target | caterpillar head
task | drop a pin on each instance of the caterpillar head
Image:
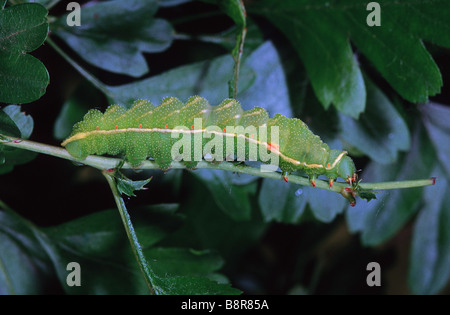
(347, 170)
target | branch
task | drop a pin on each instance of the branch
(107, 163)
(131, 233)
(237, 52)
(88, 76)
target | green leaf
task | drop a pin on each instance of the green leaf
(24, 27)
(21, 120)
(166, 261)
(380, 219)
(429, 260)
(127, 186)
(319, 30)
(435, 118)
(188, 285)
(195, 275)
(98, 243)
(367, 195)
(46, 3)
(327, 56)
(269, 88)
(287, 203)
(132, 30)
(380, 131)
(281, 202)
(24, 266)
(396, 48)
(23, 77)
(208, 79)
(15, 123)
(234, 200)
(152, 223)
(208, 227)
(261, 71)
(8, 126)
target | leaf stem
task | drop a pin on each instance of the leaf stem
(106, 163)
(398, 184)
(131, 233)
(237, 53)
(216, 39)
(51, 4)
(94, 81)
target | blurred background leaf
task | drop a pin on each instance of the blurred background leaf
(430, 247)
(15, 123)
(114, 35)
(380, 132)
(25, 269)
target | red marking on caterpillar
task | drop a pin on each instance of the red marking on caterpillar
(253, 135)
(313, 183)
(433, 179)
(272, 147)
(224, 129)
(331, 183)
(96, 128)
(167, 126)
(192, 127)
(116, 127)
(140, 125)
(17, 141)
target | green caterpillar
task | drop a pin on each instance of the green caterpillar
(146, 131)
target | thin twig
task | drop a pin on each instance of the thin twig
(94, 81)
(106, 163)
(131, 233)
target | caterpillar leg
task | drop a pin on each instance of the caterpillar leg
(331, 182)
(349, 194)
(191, 165)
(352, 179)
(285, 176)
(312, 179)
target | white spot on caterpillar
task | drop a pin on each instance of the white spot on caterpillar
(208, 157)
